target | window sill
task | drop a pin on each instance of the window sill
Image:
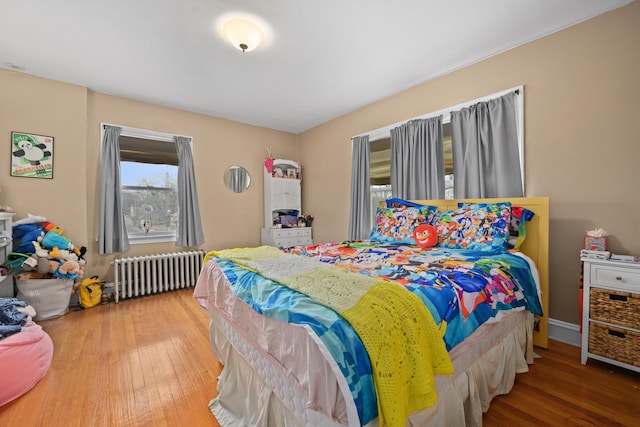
(140, 239)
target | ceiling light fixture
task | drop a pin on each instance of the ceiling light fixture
(243, 34)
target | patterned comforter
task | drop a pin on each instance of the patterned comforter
(461, 289)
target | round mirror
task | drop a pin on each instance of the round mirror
(237, 179)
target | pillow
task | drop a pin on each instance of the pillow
(396, 225)
(425, 235)
(479, 227)
(518, 226)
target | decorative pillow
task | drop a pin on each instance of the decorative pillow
(425, 235)
(518, 226)
(396, 225)
(479, 227)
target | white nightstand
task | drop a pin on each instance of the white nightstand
(611, 313)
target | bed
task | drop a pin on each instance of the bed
(310, 354)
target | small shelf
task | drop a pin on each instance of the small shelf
(282, 194)
(285, 169)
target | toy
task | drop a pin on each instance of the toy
(26, 234)
(64, 270)
(53, 239)
(37, 263)
(426, 235)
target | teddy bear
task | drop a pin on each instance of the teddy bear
(64, 269)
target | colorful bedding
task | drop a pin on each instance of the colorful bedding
(461, 290)
(270, 299)
(402, 341)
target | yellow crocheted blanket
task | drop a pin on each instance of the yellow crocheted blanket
(403, 342)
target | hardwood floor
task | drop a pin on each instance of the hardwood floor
(147, 362)
(559, 391)
(143, 362)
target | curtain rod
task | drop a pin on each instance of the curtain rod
(444, 111)
(145, 133)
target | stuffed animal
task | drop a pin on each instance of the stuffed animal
(24, 235)
(82, 264)
(37, 263)
(426, 235)
(30, 263)
(48, 226)
(64, 270)
(53, 239)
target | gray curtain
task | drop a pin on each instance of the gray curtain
(484, 142)
(237, 179)
(112, 233)
(417, 160)
(189, 228)
(360, 212)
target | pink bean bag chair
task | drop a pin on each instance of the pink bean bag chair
(25, 358)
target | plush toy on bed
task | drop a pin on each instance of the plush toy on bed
(425, 235)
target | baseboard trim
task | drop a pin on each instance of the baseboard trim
(565, 332)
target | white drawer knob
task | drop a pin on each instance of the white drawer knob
(618, 278)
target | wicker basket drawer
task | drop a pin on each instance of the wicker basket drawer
(615, 343)
(620, 308)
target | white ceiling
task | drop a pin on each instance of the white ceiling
(321, 58)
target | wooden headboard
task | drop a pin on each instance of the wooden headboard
(535, 246)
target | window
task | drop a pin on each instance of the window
(380, 149)
(148, 180)
(380, 169)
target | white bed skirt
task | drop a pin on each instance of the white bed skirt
(267, 381)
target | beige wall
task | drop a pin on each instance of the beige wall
(72, 115)
(582, 96)
(582, 139)
(43, 107)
